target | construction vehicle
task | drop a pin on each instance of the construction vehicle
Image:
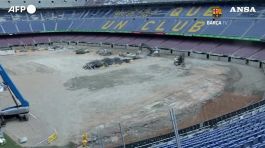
(84, 139)
(180, 60)
(152, 51)
(21, 108)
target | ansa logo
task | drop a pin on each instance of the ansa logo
(243, 9)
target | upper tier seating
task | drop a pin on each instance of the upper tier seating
(169, 19)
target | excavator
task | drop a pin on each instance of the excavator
(21, 107)
(152, 51)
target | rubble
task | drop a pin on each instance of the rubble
(93, 64)
(23, 140)
(130, 55)
(81, 51)
(104, 52)
(117, 60)
(105, 62)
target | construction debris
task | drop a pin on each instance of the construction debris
(118, 60)
(104, 52)
(81, 51)
(93, 64)
(155, 52)
(23, 140)
(105, 62)
(130, 55)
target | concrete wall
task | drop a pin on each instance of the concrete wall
(73, 43)
(106, 45)
(93, 44)
(83, 44)
(59, 43)
(254, 63)
(176, 52)
(218, 58)
(213, 57)
(198, 55)
(165, 52)
(263, 66)
(238, 61)
(133, 47)
(119, 46)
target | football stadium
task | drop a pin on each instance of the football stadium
(132, 73)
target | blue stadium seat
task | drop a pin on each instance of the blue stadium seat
(37, 26)
(68, 14)
(217, 30)
(255, 30)
(63, 25)
(237, 28)
(9, 27)
(75, 25)
(1, 30)
(23, 26)
(50, 25)
(241, 133)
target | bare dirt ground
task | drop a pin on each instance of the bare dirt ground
(68, 99)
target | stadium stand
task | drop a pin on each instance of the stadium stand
(254, 52)
(243, 131)
(239, 129)
(191, 21)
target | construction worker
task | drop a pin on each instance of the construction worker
(84, 139)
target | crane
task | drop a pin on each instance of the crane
(21, 107)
